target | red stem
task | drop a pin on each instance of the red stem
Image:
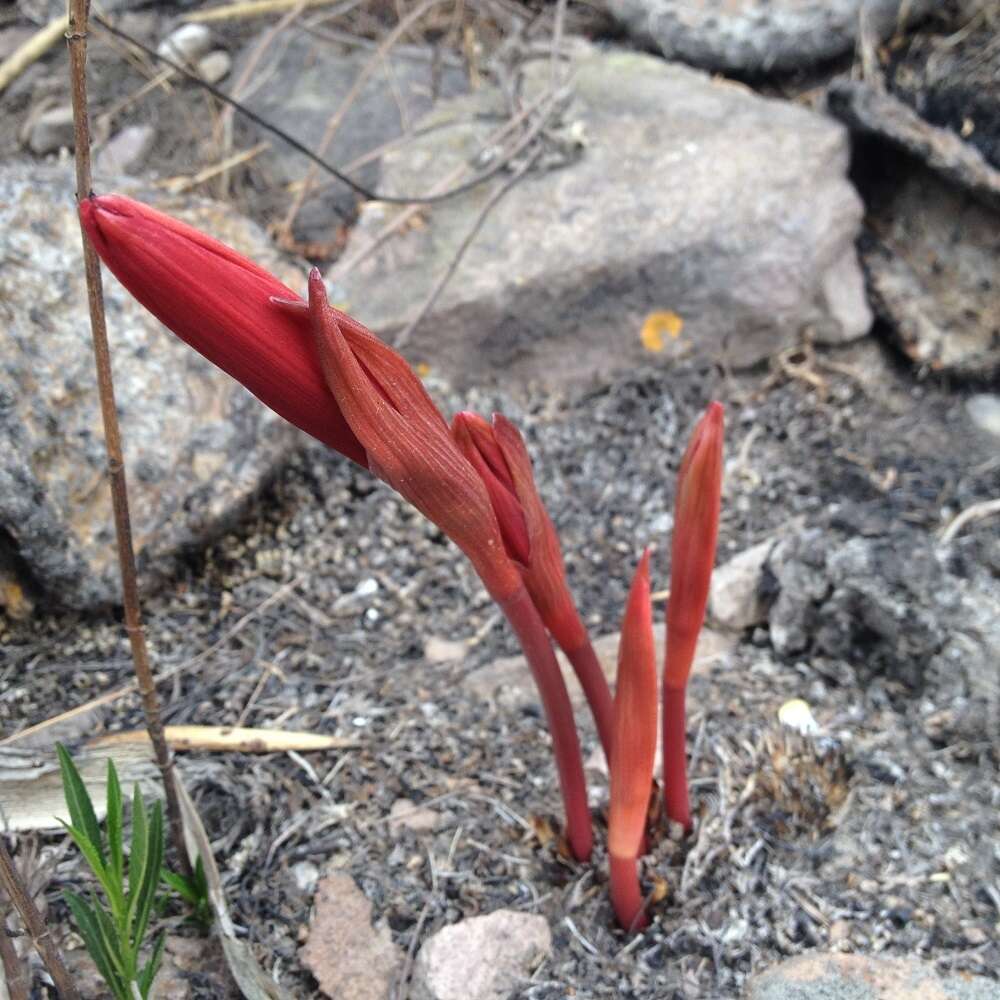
(588, 671)
(675, 787)
(626, 895)
(527, 624)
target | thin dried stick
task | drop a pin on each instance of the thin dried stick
(249, 8)
(428, 304)
(15, 974)
(336, 120)
(10, 879)
(77, 39)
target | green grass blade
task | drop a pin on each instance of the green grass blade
(116, 850)
(81, 809)
(89, 929)
(151, 876)
(150, 969)
(137, 856)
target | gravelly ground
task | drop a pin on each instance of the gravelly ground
(874, 837)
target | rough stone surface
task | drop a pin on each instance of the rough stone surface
(124, 152)
(735, 600)
(933, 277)
(830, 976)
(197, 445)
(481, 958)
(872, 111)
(307, 79)
(891, 605)
(757, 36)
(746, 237)
(407, 815)
(351, 959)
(50, 131)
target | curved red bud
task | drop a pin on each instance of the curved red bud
(219, 302)
(407, 440)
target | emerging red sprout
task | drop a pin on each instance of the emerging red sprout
(635, 750)
(696, 529)
(500, 456)
(330, 376)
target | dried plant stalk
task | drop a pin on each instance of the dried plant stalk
(76, 37)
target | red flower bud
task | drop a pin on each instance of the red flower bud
(219, 303)
(696, 530)
(634, 747)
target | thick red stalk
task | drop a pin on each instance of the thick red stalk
(675, 784)
(626, 894)
(530, 630)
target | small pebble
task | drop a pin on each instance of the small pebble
(186, 44)
(215, 66)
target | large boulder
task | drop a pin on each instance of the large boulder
(759, 36)
(693, 216)
(197, 445)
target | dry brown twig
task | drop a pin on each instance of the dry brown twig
(13, 885)
(15, 970)
(76, 36)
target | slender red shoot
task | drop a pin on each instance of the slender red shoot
(696, 529)
(635, 750)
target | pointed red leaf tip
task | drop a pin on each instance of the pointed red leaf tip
(635, 736)
(474, 437)
(219, 302)
(407, 441)
(696, 530)
(635, 720)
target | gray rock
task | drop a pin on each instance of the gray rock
(984, 411)
(735, 601)
(481, 958)
(49, 131)
(832, 976)
(870, 110)
(215, 66)
(933, 276)
(307, 79)
(350, 958)
(186, 44)
(125, 151)
(691, 199)
(758, 36)
(197, 445)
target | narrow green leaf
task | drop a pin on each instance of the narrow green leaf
(85, 918)
(181, 886)
(150, 969)
(151, 875)
(116, 851)
(81, 809)
(111, 889)
(137, 856)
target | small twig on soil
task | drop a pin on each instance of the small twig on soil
(376, 59)
(250, 8)
(31, 51)
(12, 884)
(77, 40)
(428, 303)
(976, 512)
(15, 971)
